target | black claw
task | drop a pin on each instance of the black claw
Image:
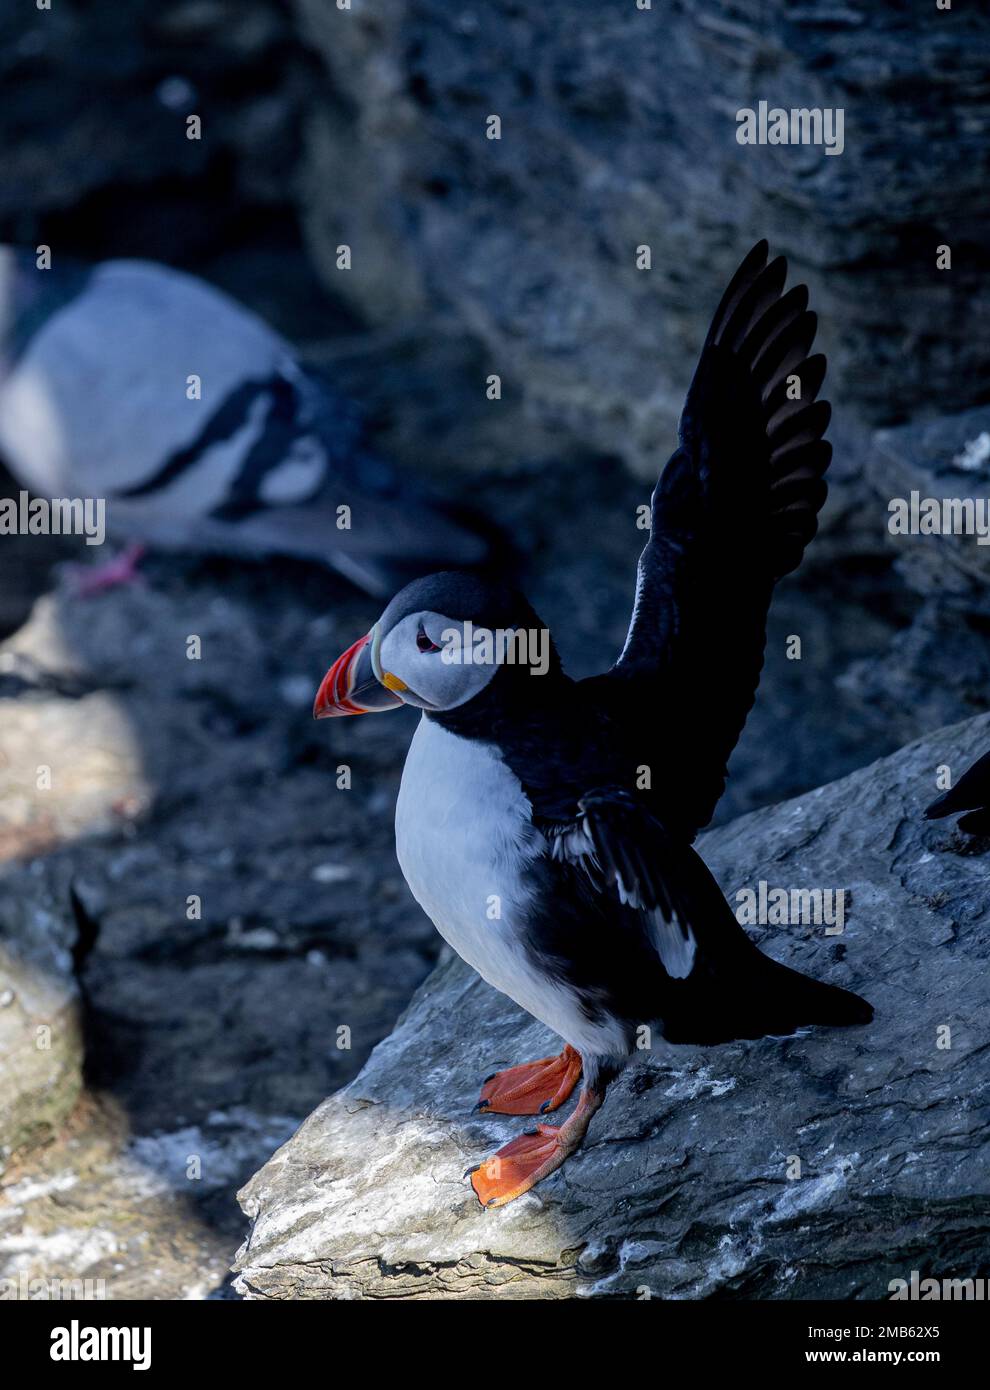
(530, 1133)
(491, 1077)
(482, 1105)
(468, 1171)
(545, 1106)
(491, 1202)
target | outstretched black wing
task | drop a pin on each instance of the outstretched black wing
(733, 511)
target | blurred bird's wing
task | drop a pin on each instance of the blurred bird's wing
(378, 541)
(142, 385)
(733, 511)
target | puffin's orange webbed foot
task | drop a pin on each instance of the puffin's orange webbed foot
(525, 1161)
(518, 1166)
(533, 1088)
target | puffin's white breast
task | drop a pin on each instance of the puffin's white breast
(464, 838)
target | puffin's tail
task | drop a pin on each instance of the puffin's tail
(766, 1000)
(734, 990)
(784, 1000)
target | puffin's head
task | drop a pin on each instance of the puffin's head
(441, 642)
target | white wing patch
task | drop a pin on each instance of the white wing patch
(673, 941)
(297, 476)
(675, 944)
(573, 844)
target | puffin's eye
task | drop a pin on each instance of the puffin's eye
(425, 643)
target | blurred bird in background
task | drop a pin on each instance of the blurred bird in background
(142, 385)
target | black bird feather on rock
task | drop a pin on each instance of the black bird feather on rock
(970, 794)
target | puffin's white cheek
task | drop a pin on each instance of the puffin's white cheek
(437, 685)
(441, 679)
(462, 683)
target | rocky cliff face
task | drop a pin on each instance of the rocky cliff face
(94, 122)
(936, 669)
(817, 1167)
(618, 130)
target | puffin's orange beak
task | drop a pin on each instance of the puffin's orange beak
(351, 686)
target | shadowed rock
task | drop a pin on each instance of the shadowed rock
(936, 669)
(41, 1049)
(620, 131)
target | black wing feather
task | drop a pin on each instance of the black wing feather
(733, 511)
(972, 794)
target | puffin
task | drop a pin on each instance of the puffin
(970, 794)
(192, 417)
(545, 824)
